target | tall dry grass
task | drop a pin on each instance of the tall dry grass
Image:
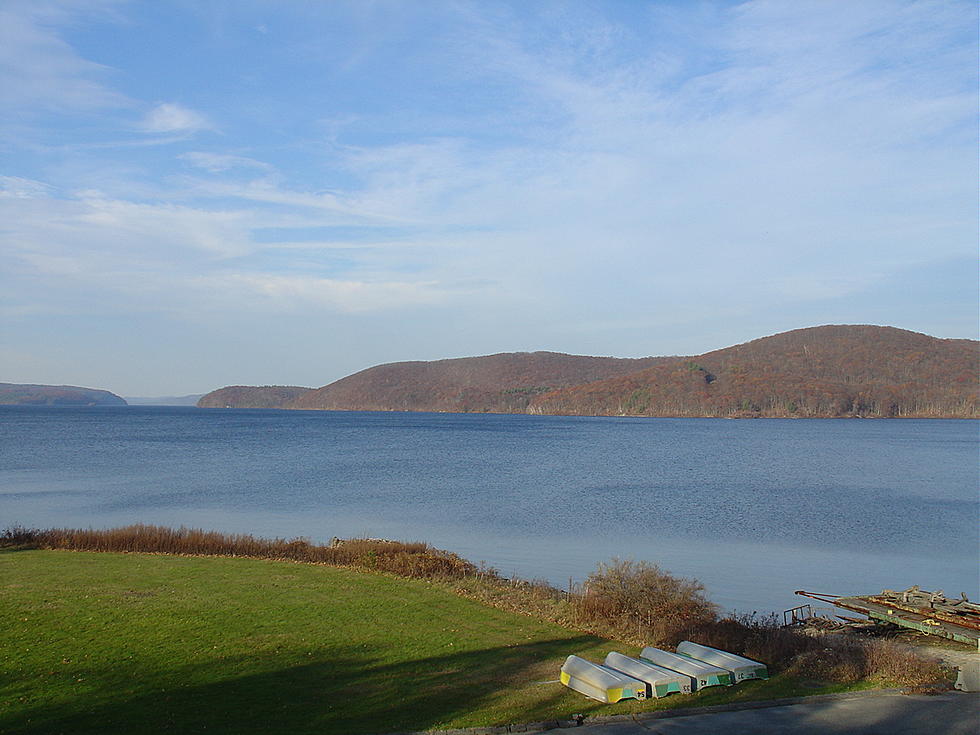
(848, 659)
(403, 559)
(841, 658)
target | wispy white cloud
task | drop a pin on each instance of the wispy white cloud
(178, 258)
(40, 70)
(15, 187)
(89, 235)
(301, 293)
(338, 207)
(170, 117)
(221, 162)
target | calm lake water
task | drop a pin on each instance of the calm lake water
(753, 509)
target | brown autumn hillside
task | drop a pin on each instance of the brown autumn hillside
(503, 383)
(826, 371)
(251, 396)
(24, 394)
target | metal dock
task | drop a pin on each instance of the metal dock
(927, 612)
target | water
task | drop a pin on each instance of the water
(753, 509)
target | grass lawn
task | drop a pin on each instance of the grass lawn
(100, 642)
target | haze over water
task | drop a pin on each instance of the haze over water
(753, 509)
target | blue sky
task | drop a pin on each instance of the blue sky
(196, 194)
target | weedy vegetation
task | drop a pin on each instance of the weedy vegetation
(418, 560)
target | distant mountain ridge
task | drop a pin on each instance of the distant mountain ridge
(826, 371)
(29, 394)
(501, 383)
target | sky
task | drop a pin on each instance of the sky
(204, 193)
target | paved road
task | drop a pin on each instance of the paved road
(953, 713)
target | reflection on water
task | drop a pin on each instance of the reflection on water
(754, 509)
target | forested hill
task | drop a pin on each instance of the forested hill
(827, 371)
(503, 383)
(56, 395)
(252, 396)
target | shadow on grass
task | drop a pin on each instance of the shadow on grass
(348, 694)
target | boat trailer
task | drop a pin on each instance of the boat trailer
(927, 612)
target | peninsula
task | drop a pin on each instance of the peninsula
(24, 394)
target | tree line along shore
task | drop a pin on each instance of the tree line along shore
(820, 372)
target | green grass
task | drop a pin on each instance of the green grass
(102, 642)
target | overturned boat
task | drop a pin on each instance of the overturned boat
(660, 681)
(600, 682)
(702, 674)
(740, 667)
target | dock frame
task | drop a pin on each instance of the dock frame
(927, 612)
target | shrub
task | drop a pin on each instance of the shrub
(831, 662)
(18, 537)
(899, 663)
(639, 600)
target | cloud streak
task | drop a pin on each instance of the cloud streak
(42, 72)
(300, 293)
(169, 117)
